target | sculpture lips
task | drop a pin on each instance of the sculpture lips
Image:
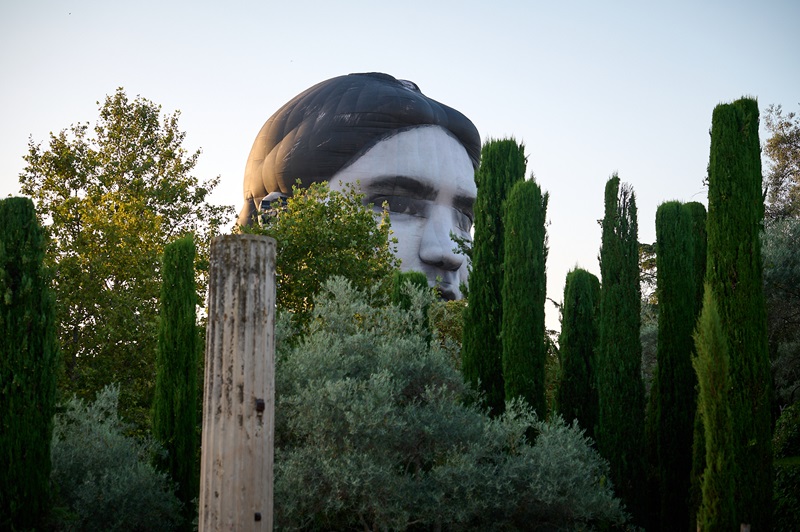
(447, 285)
(447, 294)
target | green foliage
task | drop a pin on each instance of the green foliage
(28, 364)
(652, 507)
(323, 233)
(403, 286)
(699, 255)
(786, 442)
(447, 321)
(734, 272)
(782, 293)
(782, 148)
(400, 295)
(502, 165)
(697, 212)
(103, 477)
(174, 413)
(675, 399)
(577, 393)
(374, 418)
(712, 363)
(524, 292)
(698, 467)
(620, 425)
(648, 273)
(110, 203)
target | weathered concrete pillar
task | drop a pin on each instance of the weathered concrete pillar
(239, 388)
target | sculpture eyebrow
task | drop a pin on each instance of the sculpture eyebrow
(415, 187)
(405, 185)
(464, 203)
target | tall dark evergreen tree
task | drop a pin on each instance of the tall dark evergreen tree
(675, 392)
(524, 293)
(400, 280)
(697, 213)
(174, 405)
(620, 427)
(734, 273)
(712, 364)
(577, 391)
(502, 165)
(699, 243)
(28, 365)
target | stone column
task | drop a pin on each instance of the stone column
(239, 387)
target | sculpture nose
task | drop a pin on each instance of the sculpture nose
(436, 247)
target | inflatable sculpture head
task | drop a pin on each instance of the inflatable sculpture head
(396, 145)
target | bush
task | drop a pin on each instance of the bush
(447, 320)
(786, 488)
(374, 418)
(105, 478)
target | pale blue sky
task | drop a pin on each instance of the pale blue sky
(589, 87)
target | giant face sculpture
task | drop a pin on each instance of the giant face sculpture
(397, 145)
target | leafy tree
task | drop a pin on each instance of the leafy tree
(524, 292)
(734, 273)
(374, 417)
(174, 415)
(502, 165)
(648, 273)
(110, 203)
(712, 365)
(649, 329)
(577, 391)
(782, 179)
(782, 293)
(322, 233)
(675, 397)
(28, 364)
(104, 477)
(620, 425)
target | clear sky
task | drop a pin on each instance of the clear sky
(589, 87)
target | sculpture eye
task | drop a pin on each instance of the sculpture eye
(463, 220)
(402, 205)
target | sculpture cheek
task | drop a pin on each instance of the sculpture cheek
(436, 246)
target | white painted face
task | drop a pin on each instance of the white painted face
(427, 179)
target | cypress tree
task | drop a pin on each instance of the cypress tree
(524, 293)
(174, 406)
(675, 399)
(399, 280)
(734, 273)
(502, 165)
(577, 391)
(28, 367)
(717, 511)
(620, 427)
(697, 212)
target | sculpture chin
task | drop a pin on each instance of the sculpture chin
(447, 284)
(448, 292)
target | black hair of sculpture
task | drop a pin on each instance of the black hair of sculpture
(329, 126)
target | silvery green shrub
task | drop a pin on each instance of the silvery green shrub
(376, 430)
(104, 477)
